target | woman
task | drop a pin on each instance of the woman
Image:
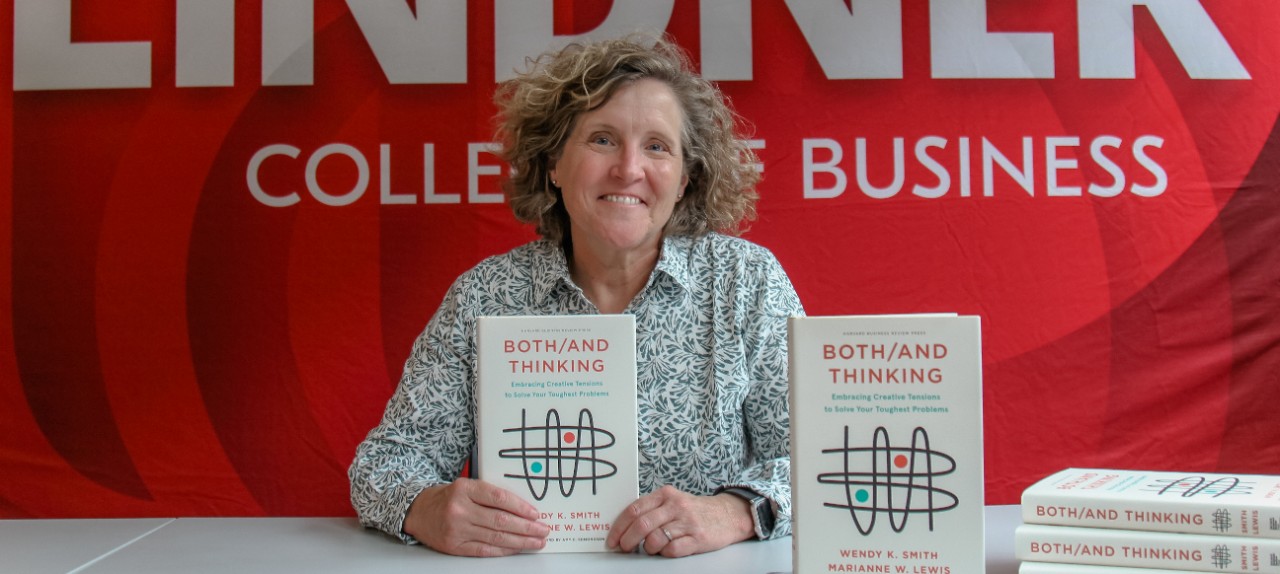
(630, 167)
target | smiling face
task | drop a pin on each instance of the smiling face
(621, 169)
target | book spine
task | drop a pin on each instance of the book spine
(1058, 568)
(1045, 504)
(1111, 547)
(798, 468)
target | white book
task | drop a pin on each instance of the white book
(1058, 568)
(886, 444)
(1197, 503)
(556, 420)
(1146, 549)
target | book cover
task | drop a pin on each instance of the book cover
(556, 420)
(1146, 549)
(886, 444)
(1197, 503)
(1058, 568)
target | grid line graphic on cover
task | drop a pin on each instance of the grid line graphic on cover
(1192, 486)
(894, 481)
(1199, 486)
(559, 453)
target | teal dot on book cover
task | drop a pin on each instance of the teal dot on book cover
(862, 496)
(537, 467)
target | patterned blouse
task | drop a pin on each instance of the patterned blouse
(711, 353)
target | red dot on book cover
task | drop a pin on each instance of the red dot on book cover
(900, 461)
(568, 437)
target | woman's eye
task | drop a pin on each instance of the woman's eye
(657, 147)
(600, 140)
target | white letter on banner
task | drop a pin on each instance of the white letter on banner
(962, 48)
(206, 43)
(430, 48)
(45, 58)
(1107, 47)
(362, 175)
(1104, 162)
(832, 167)
(1052, 163)
(757, 145)
(429, 194)
(475, 170)
(255, 187)
(725, 27)
(863, 44)
(991, 155)
(944, 178)
(899, 170)
(388, 196)
(526, 28)
(1139, 153)
(288, 42)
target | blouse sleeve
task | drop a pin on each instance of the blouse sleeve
(426, 433)
(765, 411)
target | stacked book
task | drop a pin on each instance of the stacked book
(1093, 521)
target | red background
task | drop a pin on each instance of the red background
(171, 346)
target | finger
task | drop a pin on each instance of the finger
(626, 521)
(623, 525)
(498, 520)
(481, 550)
(645, 527)
(478, 550)
(680, 547)
(681, 543)
(475, 535)
(447, 518)
(655, 542)
(493, 542)
(487, 494)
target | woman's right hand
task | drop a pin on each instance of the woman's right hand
(474, 518)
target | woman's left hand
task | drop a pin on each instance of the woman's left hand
(675, 523)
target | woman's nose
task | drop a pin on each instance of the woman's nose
(629, 165)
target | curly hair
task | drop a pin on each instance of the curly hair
(537, 111)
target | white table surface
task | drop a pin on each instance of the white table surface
(66, 545)
(253, 545)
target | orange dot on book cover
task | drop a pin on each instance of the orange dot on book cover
(900, 461)
(568, 437)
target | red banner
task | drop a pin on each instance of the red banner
(227, 221)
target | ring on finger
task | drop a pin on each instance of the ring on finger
(667, 533)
